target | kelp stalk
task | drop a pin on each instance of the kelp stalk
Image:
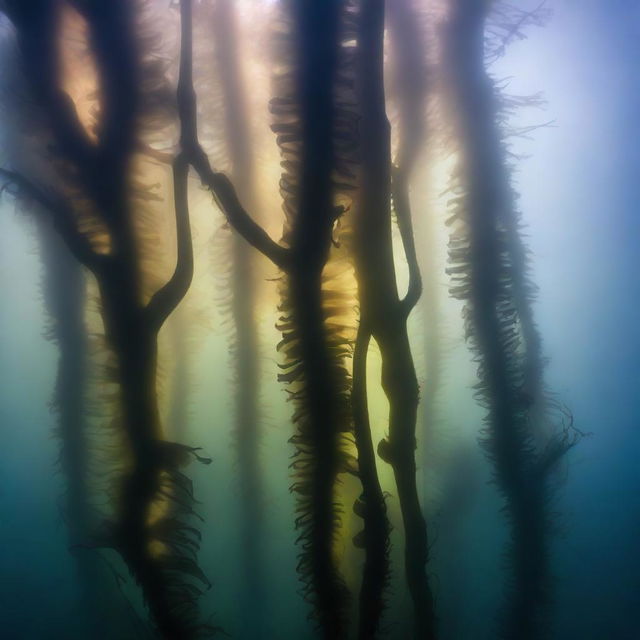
(315, 35)
(310, 364)
(159, 552)
(487, 265)
(245, 345)
(383, 314)
(408, 28)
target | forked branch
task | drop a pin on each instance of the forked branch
(37, 25)
(221, 187)
(166, 299)
(400, 188)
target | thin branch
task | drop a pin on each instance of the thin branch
(63, 220)
(223, 191)
(186, 95)
(166, 299)
(371, 505)
(402, 207)
(226, 198)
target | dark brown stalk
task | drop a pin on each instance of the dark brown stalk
(317, 464)
(101, 172)
(105, 610)
(315, 38)
(64, 297)
(383, 313)
(408, 25)
(314, 351)
(371, 506)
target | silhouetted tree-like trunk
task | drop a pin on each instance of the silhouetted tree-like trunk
(488, 269)
(383, 314)
(64, 296)
(158, 549)
(371, 505)
(315, 146)
(409, 31)
(180, 378)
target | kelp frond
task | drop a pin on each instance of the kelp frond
(489, 271)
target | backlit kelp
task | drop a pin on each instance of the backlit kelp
(305, 120)
(410, 27)
(95, 168)
(104, 610)
(383, 314)
(241, 286)
(318, 152)
(64, 295)
(370, 505)
(308, 360)
(525, 434)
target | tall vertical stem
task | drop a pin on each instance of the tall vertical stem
(383, 312)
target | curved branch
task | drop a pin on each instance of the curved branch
(186, 95)
(378, 292)
(166, 299)
(371, 504)
(221, 187)
(69, 132)
(63, 220)
(402, 207)
(36, 25)
(226, 198)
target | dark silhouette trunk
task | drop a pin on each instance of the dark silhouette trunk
(383, 314)
(309, 149)
(64, 295)
(158, 548)
(315, 40)
(371, 506)
(103, 608)
(408, 27)
(487, 258)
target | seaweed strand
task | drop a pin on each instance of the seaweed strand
(489, 274)
(243, 291)
(153, 545)
(384, 312)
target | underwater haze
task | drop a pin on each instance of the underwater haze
(319, 319)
